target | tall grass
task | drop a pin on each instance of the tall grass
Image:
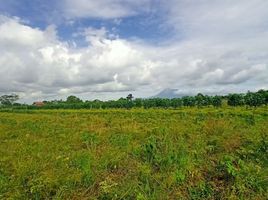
(134, 154)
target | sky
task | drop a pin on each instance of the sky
(107, 49)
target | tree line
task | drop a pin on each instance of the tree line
(253, 99)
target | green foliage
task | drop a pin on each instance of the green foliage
(73, 99)
(252, 99)
(120, 140)
(187, 153)
(91, 140)
(236, 99)
(227, 166)
(216, 101)
(201, 191)
(8, 100)
(83, 162)
(180, 176)
(161, 152)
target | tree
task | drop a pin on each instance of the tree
(254, 99)
(264, 94)
(235, 99)
(73, 99)
(176, 102)
(130, 97)
(138, 102)
(216, 101)
(200, 99)
(188, 101)
(9, 99)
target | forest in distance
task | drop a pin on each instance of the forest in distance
(252, 99)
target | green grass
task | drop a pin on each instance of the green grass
(134, 154)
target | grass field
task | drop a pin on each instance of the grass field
(139, 154)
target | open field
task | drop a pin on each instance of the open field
(139, 154)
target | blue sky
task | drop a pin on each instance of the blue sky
(148, 25)
(108, 48)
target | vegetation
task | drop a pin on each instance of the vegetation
(188, 153)
(252, 99)
(8, 100)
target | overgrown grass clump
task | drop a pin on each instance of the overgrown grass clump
(134, 154)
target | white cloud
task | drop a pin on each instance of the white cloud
(105, 9)
(218, 46)
(219, 19)
(216, 43)
(41, 64)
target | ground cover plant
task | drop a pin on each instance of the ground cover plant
(186, 153)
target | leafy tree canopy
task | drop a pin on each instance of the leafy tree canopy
(9, 99)
(73, 99)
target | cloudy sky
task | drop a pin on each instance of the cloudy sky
(108, 48)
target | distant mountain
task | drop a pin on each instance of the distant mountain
(169, 94)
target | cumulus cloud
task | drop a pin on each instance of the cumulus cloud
(218, 46)
(36, 62)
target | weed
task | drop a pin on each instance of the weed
(188, 153)
(91, 140)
